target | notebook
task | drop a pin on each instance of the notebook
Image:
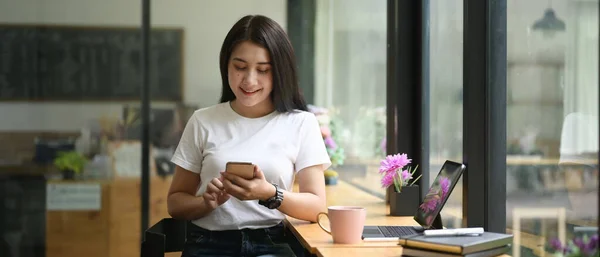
(425, 253)
(461, 245)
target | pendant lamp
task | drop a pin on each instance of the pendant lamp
(549, 22)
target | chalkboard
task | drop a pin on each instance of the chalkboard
(74, 63)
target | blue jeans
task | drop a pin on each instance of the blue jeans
(269, 242)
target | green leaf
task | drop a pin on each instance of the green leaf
(70, 160)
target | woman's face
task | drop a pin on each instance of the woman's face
(249, 74)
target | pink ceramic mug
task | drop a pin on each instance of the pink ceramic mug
(346, 222)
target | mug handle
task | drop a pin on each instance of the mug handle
(319, 221)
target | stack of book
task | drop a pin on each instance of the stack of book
(482, 245)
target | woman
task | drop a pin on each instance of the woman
(263, 119)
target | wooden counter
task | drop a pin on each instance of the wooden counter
(27, 169)
(359, 251)
(320, 243)
(511, 160)
(114, 230)
(312, 236)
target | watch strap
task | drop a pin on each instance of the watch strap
(275, 201)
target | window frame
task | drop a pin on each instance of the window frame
(407, 84)
(408, 99)
(484, 107)
(484, 114)
(145, 117)
(301, 22)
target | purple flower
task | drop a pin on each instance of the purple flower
(579, 242)
(445, 186)
(330, 143)
(593, 241)
(429, 204)
(393, 163)
(591, 247)
(556, 244)
(576, 245)
(589, 251)
(388, 179)
(405, 175)
(429, 219)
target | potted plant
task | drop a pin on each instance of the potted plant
(584, 246)
(70, 163)
(331, 177)
(328, 132)
(398, 178)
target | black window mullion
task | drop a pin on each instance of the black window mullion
(425, 98)
(484, 114)
(598, 182)
(301, 30)
(145, 116)
(407, 115)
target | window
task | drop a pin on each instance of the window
(445, 62)
(552, 121)
(350, 82)
(67, 68)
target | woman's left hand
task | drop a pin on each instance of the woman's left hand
(257, 188)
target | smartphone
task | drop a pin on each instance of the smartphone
(242, 169)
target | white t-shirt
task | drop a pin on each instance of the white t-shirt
(281, 144)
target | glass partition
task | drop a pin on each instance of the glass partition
(445, 72)
(68, 163)
(552, 123)
(350, 85)
(70, 87)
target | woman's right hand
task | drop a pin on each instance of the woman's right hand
(215, 194)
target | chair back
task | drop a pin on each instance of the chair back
(168, 235)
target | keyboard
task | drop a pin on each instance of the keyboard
(397, 231)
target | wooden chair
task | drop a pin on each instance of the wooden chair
(524, 212)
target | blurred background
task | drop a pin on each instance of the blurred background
(70, 81)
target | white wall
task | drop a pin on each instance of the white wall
(205, 22)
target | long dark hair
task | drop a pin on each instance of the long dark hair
(267, 33)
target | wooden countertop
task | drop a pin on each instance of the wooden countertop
(318, 242)
(511, 160)
(358, 251)
(27, 169)
(312, 236)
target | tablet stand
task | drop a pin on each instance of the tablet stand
(437, 222)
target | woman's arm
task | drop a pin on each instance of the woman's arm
(182, 202)
(307, 203)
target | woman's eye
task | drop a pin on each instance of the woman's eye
(240, 68)
(263, 71)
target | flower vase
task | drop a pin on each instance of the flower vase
(68, 174)
(406, 202)
(331, 180)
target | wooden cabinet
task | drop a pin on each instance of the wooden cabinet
(114, 230)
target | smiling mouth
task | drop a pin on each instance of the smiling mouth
(250, 92)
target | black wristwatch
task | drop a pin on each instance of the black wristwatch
(275, 201)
